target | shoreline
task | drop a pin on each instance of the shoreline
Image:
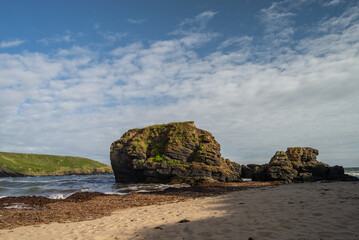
(328, 210)
(82, 206)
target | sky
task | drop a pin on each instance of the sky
(261, 76)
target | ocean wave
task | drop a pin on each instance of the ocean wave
(60, 187)
(58, 196)
(18, 206)
(355, 174)
(116, 193)
(33, 180)
(87, 190)
(352, 172)
(143, 191)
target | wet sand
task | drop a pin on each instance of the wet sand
(288, 211)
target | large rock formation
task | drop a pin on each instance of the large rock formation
(174, 152)
(299, 164)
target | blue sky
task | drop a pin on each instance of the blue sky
(260, 75)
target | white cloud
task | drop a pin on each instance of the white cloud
(77, 104)
(8, 44)
(241, 42)
(336, 24)
(276, 17)
(136, 21)
(194, 25)
(112, 36)
(132, 48)
(67, 37)
(74, 51)
(332, 2)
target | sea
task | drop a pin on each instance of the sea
(60, 187)
(354, 171)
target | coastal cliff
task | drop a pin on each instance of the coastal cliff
(174, 152)
(21, 164)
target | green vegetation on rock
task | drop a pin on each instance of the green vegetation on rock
(153, 142)
(17, 164)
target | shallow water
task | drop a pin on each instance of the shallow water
(59, 187)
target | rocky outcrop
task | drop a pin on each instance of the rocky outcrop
(299, 164)
(248, 171)
(174, 152)
(7, 173)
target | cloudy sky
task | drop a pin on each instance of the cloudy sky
(260, 75)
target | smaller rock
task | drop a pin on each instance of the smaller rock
(280, 168)
(298, 164)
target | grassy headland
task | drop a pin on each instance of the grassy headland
(21, 164)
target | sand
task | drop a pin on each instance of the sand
(293, 211)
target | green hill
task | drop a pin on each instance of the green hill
(21, 164)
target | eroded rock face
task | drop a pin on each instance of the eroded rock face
(280, 167)
(174, 152)
(248, 171)
(299, 164)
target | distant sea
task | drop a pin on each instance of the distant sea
(59, 187)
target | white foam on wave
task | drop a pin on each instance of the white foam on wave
(58, 196)
(246, 179)
(355, 174)
(352, 171)
(115, 193)
(34, 180)
(18, 206)
(142, 191)
(86, 190)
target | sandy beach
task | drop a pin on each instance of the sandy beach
(289, 211)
